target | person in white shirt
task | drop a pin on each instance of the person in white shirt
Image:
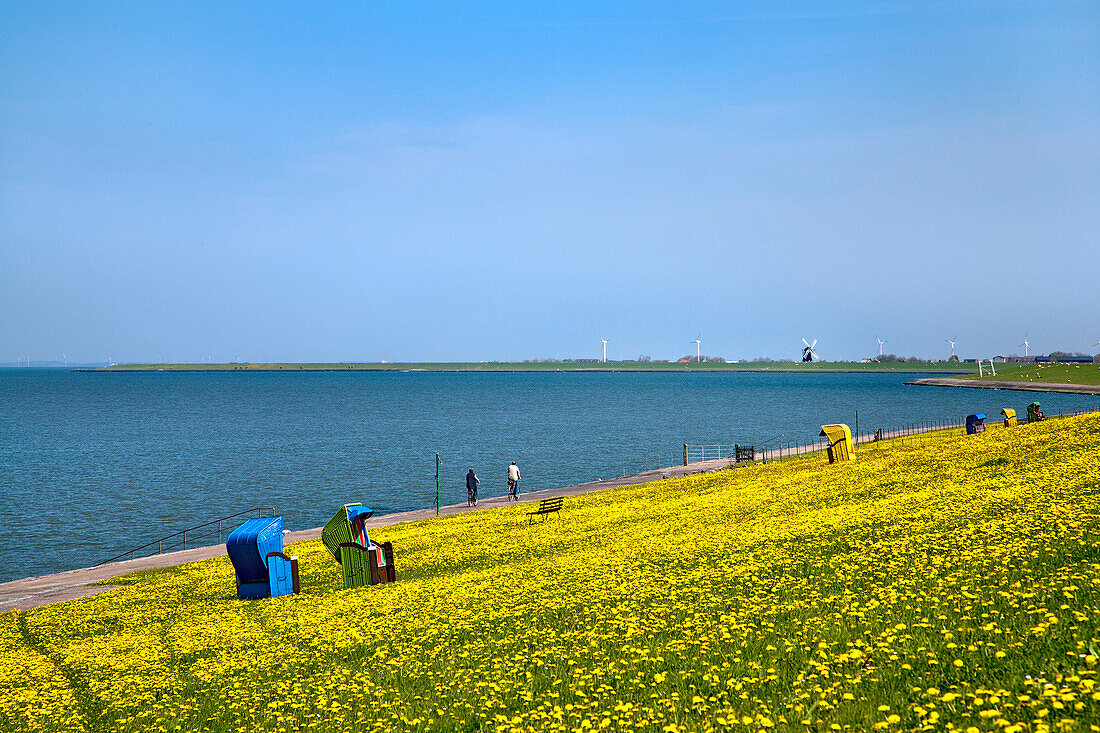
(513, 481)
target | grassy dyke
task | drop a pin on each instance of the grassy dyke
(937, 583)
(1045, 374)
(611, 366)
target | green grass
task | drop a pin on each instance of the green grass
(611, 366)
(1049, 374)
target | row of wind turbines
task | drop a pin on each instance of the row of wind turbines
(881, 342)
(698, 341)
(1026, 344)
(952, 341)
(809, 352)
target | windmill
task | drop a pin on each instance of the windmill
(808, 353)
(604, 348)
(1025, 344)
(880, 343)
(952, 342)
(698, 353)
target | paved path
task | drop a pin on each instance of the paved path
(42, 590)
(1018, 386)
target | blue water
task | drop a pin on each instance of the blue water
(93, 464)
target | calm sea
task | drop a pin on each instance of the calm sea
(93, 464)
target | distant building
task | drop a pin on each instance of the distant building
(587, 361)
(1064, 359)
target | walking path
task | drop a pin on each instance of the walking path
(43, 590)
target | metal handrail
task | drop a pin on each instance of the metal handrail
(160, 542)
(761, 445)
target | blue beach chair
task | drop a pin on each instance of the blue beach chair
(256, 551)
(975, 423)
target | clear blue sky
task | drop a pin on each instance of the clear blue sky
(404, 181)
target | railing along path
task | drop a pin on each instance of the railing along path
(181, 542)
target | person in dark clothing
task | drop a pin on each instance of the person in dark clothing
(471, 488)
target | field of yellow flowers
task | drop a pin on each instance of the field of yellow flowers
(949, 585)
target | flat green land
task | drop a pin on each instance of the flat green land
(500, 366)
(1043, 374)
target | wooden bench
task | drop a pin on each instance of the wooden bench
(546, 506)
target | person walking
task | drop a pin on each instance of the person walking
(513, 482)
(471, 488)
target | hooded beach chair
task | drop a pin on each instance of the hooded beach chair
(361, 561)
(256, 551)
(840, 446)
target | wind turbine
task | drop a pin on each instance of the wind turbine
(952, 342)
(604, 348)
(698, 353)
(880, 343)
(1025, 344)
(808, 353)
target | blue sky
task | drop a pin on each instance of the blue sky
(365, 181)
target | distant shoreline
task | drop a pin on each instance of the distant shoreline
(1015, 386)
(641, 367)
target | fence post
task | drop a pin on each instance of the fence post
(185, 539)
(685, 454)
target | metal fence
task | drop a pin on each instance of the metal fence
(193, 535)
(779, 448)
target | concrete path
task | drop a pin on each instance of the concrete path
(43, 590)
(1018, 386)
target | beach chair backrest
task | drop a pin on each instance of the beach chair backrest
(357, 521)
(347, 525)
(841, 447)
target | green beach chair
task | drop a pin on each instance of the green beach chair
(362, 562)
